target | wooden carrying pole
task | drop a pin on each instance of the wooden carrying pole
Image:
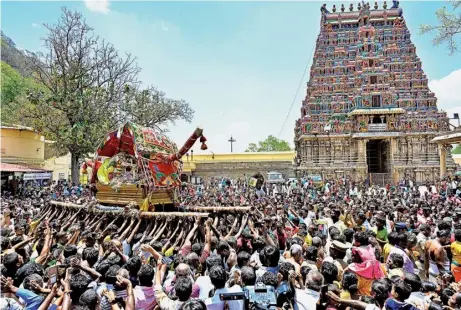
(219, 209)
(68, 204)
(142, 214)
(172, 214)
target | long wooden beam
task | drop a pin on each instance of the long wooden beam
(67, 204)
(173, 214)
(219, 209)
(119, 210)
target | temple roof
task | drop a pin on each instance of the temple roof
(374, 14)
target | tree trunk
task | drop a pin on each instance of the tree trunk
(75, 168)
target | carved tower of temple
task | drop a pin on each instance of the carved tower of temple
(368, 111)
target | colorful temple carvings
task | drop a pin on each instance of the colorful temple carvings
(367, 83)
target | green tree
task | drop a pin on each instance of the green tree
(85, 80)
(449, 26)
(271, 144)
(12, 84)
(456, 150)
(14, 95)
(150, 107)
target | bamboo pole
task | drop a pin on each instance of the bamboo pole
(67, 204)
(121, 209)
(172, 214)
(219, 209)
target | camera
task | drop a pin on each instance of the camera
(259, 296)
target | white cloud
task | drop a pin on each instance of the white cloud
(35, 25)
(164, 26)
(99, 6)
(447, 88)
(447, 91)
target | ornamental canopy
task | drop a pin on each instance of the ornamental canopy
(377, 111)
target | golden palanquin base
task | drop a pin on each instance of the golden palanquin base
(128, 193)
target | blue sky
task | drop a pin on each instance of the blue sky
(237, 63)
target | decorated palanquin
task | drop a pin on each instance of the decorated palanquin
(138, 165)
(367, 84)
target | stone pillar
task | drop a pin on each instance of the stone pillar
(362, 151)
(309, 152)
(443, 159)
(392, 148)
(417, 150)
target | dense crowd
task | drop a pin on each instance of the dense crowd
(337, 245)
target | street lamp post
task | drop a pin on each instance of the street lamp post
(232, 140)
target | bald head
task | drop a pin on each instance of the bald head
(314, 280)
(317, 242)
(296, 252)
(182, 270)
(193, 259)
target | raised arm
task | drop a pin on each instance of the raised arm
(122, 227)
(242, 227)
(251, 226)
(21, 244)
(92, 272)
(127, 230)
(353, 304)
(70, 221)
(267, 238)
(216, 232)
(232, 228)
(165, 246)
(95, 222)
(178, 240)
(426, 258)
(99, 223)
(46, 247)
(154, 229)
(49, 298)
(74, 238)
(110, 224)
(207, 248)
(190, 235)
(66, 303)
(123, 282)
(146, 231)
(216, 221)
(133, 233)
(160, 232)
(147, 248)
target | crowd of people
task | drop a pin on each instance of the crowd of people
(297, 246)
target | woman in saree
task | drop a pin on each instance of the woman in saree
(366, 267)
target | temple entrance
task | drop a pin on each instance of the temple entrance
(377, 156)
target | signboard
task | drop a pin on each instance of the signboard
(377, 127)
(61, 176)
(37, 176)
(252, 182)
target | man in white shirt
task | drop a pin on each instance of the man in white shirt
(306, 299)
(417, 298)
(218, 277)
(204, 282)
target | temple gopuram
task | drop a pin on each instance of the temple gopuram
(368, 111)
